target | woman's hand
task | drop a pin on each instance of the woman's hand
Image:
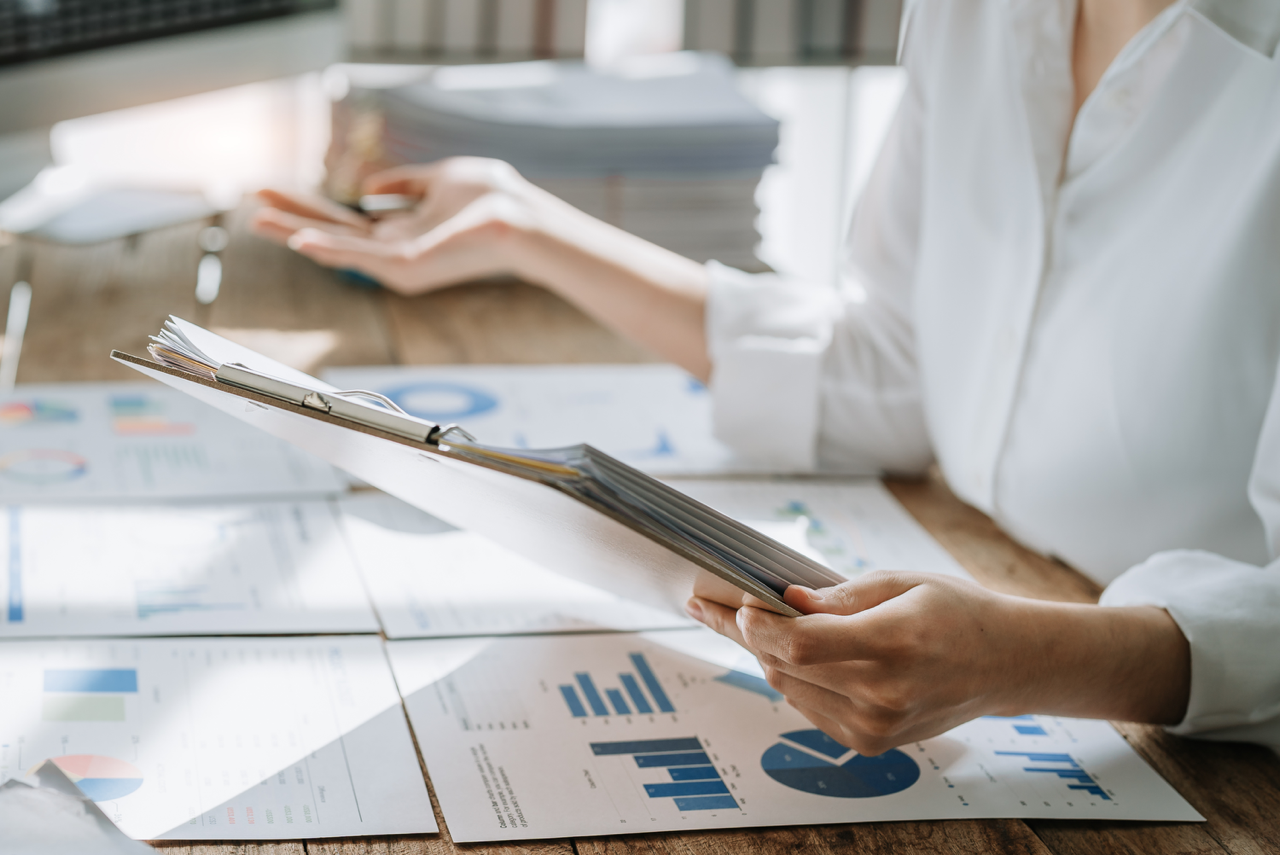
(892, 658)
(478, 218)
(465, 227)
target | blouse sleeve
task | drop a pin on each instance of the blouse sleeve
(1229, 611)
(805, 375)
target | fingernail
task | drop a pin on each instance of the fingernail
(693, 609)
(296, 241)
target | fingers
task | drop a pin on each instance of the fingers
(866, 744)
(411, 180)
(719, 618)
(313, 207)
(278, 225)
(380, 260)
(853, 596)
(806, 640)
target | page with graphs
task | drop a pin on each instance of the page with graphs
(195, 569)
(653, 417)
(560, 736)
(219, 739)
(110, 441)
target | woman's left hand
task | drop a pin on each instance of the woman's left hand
(891, 658)
(888, 658)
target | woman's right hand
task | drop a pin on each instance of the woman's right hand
(468, 225)
(480, 218)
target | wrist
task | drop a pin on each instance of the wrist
(1130, 664)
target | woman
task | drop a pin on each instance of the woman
(1062, 284)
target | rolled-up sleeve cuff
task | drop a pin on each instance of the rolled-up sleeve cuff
(1229, 612)
(767, 339)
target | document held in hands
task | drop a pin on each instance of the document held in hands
(430, 580)
(573, 510)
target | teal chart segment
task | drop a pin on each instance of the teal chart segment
(809, 761)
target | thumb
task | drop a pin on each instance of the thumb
(851, 597)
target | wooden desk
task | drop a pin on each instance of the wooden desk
(89, 300)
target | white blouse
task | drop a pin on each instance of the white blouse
(1080, 324)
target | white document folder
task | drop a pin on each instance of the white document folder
(575, 511)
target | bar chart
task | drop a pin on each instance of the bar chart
(584, 699)
(1023, 725)
(695, 784)
(87, 694)
(1063, 766)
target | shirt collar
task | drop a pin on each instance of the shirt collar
(1253, 23)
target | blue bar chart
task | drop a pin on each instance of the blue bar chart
(640, 689)
(1063, 766)
(694, 785)
(87, 694)
(1023, 725)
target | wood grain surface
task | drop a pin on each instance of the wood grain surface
(88, 300)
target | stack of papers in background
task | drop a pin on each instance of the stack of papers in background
(665, 147)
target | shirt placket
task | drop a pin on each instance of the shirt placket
(1040, 38)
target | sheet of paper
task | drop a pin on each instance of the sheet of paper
(219, 739)
(654, 417)
(110, 441)
(851, 526)
(560, 736)
(193, 569)
(428, 579)
(45, 813)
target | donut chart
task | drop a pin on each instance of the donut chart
(441, 401)
(796, 763)
(42, 466)
(100, 778)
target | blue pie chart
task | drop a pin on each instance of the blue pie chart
(858, 777)
(441, 401)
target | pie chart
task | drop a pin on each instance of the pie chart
(441, 401)
(100, 778)
(810, 761)
(42, 465)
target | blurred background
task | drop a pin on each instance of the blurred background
(734, 129)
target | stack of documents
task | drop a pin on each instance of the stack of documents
(664, 146)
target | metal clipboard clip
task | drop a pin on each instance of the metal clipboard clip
(345, 405)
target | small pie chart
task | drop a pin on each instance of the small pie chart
(441, 401)
(42, 465)
(100, 778)
(795, 762)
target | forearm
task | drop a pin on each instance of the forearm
(1130, 664)
(648, 294)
